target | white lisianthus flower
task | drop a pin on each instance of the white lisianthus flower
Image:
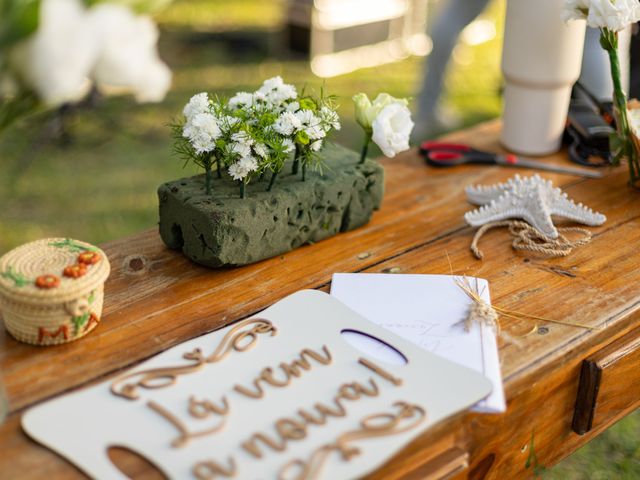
(392, 128)
(56, 61)
(366, 111)
(615, 15)
(128, 58)
(199, 103)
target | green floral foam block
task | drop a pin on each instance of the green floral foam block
(222, 229)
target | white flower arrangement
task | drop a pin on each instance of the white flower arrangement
(612, 16)
(255, 133)
(386, 121)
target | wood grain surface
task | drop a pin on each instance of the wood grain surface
(156, 299)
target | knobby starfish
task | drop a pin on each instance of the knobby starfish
(532, 199)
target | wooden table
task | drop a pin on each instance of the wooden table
(560, 379)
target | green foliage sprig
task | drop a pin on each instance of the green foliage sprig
(252, 134)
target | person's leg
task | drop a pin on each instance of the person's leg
(455, 15)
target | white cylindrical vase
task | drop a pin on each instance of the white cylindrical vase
(541, 58)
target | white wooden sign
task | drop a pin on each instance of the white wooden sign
(281, 395)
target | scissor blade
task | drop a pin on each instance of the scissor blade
(526, 163)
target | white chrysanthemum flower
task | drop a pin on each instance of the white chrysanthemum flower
(306, 118)
(316, 146)
(236, 172)
(292, 107)
(259, 97)
(202, 143)
(330, 118)
(315, 132)
(197, 104)
(243, 167)
(282, 94)
(276, 92)
(207, 124)
(271, 84)
(241, 149)
(261, 150)
(242, 137)
(227, 122)
(287, 123)
(241, 99)
(249, 163)
(288, 145)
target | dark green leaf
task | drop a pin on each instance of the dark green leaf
(18, 20)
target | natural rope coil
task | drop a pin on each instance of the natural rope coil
(531, 239)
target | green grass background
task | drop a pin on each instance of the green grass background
(102, 184)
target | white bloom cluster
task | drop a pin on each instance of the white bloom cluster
(74, 46)
(201, 127)
(243, 167)
(273, 94)
(304, 124)
(615, 15)
(253, 133)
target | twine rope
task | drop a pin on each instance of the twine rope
(529, 238)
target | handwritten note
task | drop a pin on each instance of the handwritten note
(281, 395)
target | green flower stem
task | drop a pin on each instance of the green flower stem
(365, 147)
(296, 162)
(274, 175)
(218, 167)
(243, 192)
(609, 41)
(304, 172)
(207, 176)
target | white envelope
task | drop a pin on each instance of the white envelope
(428, 310)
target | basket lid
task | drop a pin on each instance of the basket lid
(52, 270)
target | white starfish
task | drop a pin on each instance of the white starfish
(532, 199)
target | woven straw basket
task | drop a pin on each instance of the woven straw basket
(51, 290)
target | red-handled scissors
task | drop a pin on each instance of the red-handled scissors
(440, 154)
